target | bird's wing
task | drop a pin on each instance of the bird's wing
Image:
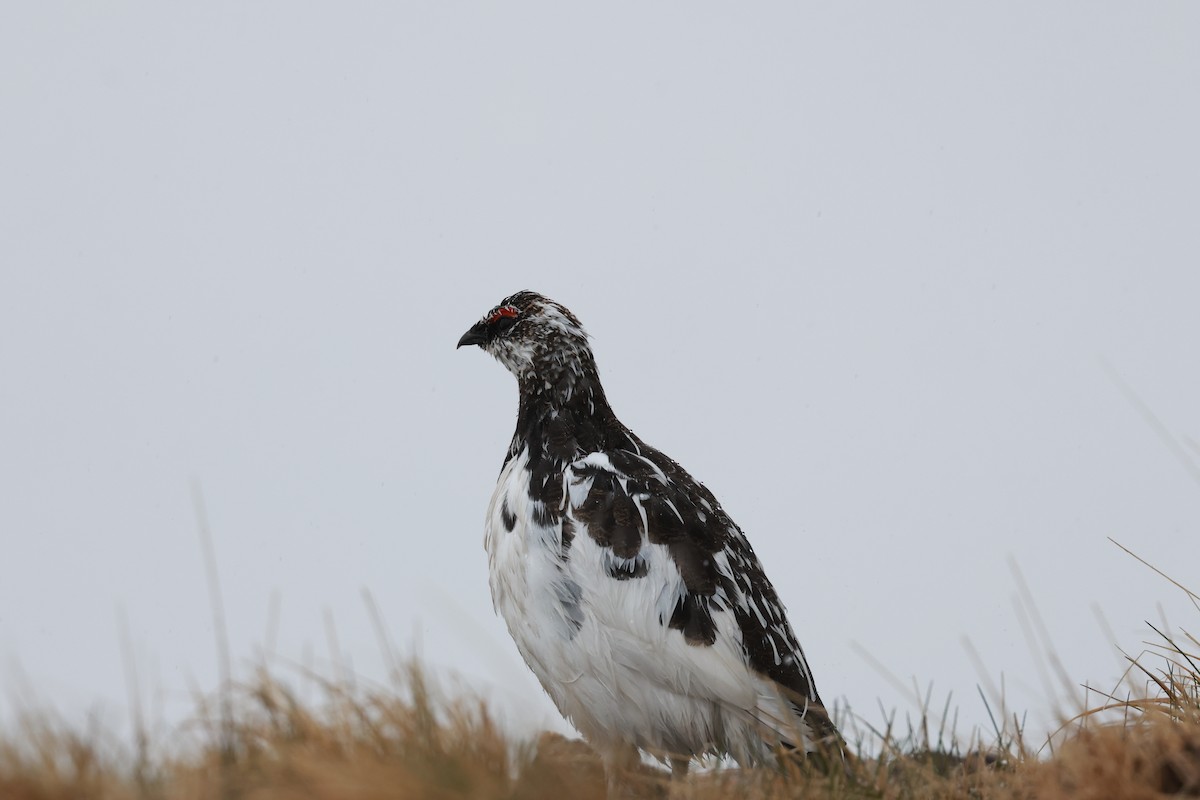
(707, 611)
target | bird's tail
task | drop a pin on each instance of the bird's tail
(802, 726)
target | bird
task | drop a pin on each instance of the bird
(633, 597)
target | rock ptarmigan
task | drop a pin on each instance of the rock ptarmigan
(631, 594)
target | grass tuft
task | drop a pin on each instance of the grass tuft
(407, 739)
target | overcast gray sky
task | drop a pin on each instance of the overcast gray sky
(855, 265)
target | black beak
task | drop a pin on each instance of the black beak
(476, 335)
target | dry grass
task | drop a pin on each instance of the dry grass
(405, 740)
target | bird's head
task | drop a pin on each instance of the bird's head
(538, 340)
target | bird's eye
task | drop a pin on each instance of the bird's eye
(503, 313)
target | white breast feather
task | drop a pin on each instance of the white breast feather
(601, 647)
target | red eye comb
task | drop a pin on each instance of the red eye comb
(503, 312)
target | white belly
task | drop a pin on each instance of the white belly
(601, 650)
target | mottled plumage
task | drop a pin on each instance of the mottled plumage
(633, 597)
